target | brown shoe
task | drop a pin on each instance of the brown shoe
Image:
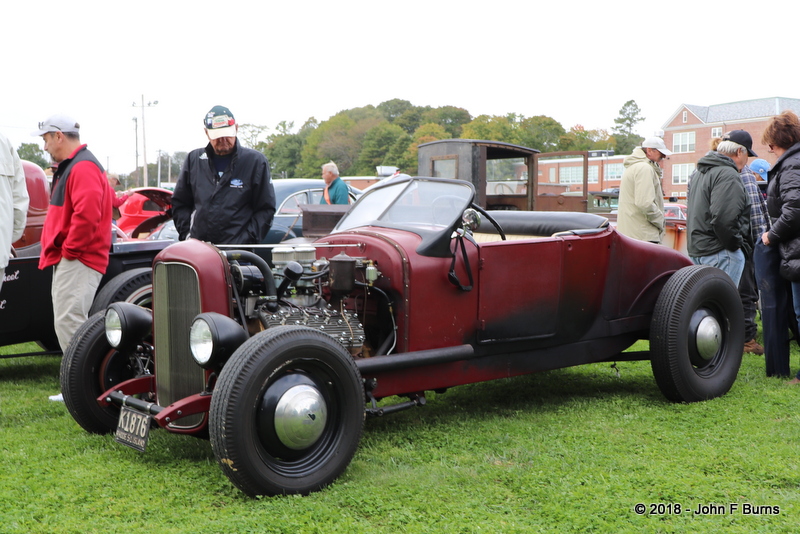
(753, 347)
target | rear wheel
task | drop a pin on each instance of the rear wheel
(697, 335)
(89, 367)
(134, 286)
(287, 412)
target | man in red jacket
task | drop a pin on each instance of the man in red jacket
(76, 237)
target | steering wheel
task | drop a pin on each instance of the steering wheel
(503, 189)
(490, 219)
(443, 207)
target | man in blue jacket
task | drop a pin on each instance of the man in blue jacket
(224, 192)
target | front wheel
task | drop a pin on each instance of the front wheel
(697, 335)
(91, 366)
(287, 412)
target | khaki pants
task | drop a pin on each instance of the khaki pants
(74, 286)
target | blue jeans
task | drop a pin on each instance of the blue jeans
(732, 262)
(775, 308)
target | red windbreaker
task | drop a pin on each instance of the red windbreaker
(80, 227)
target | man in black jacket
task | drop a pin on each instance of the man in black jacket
(224, 193)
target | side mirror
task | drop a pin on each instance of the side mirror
(470, 219)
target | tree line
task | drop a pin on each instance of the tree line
(360, 139)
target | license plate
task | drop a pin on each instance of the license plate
(133, 429)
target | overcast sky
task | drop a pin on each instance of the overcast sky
(577, 62)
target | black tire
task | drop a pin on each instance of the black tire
(89, 367)
(134, 286)
(697, 335)
(249, 393)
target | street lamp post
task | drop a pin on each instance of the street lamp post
(144, 141)
(136, 126)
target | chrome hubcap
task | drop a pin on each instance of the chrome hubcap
(300, 417)
(708, 337)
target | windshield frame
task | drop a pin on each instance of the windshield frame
(429, 207)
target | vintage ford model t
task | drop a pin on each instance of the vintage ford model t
(417, 289)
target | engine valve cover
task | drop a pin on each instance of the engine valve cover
(343, 327)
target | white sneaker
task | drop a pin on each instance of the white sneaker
(56, 398)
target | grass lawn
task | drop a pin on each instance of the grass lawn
(573, 450)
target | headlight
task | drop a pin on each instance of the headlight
(201, 341)
(113, 327)
(127, 325)
(213, 337)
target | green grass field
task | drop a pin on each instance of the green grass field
(573, 450)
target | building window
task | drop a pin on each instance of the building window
(594, 171)
(683, 142)
(613, 171)
(716, 132)
(681, 172)
(685, 117)
(570, 175)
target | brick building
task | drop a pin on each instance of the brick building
(689, 131)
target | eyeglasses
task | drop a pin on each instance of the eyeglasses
(43, 125)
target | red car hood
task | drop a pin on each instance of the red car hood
(162, 197)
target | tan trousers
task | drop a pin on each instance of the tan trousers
(74, 286)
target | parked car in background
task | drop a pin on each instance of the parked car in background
(143, 229)
(675, 236)
(290, 195)
(26, 310)
(416, 289)
(144, 210)
(674, 210)
(39, 194)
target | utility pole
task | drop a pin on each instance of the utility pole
(136, 125)
(144, 140)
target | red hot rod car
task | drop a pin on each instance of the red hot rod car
(416, 289)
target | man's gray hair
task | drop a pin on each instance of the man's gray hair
(331, 166)
(729, 148)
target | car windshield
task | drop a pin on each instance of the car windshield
(675, 212)
(417, 203)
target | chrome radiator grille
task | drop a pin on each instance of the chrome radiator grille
(176, 301)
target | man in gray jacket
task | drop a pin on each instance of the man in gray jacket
(13, 201)
(641, 200)
(718, 222)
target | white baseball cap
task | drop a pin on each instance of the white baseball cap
(658, 144)
(58, 123)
